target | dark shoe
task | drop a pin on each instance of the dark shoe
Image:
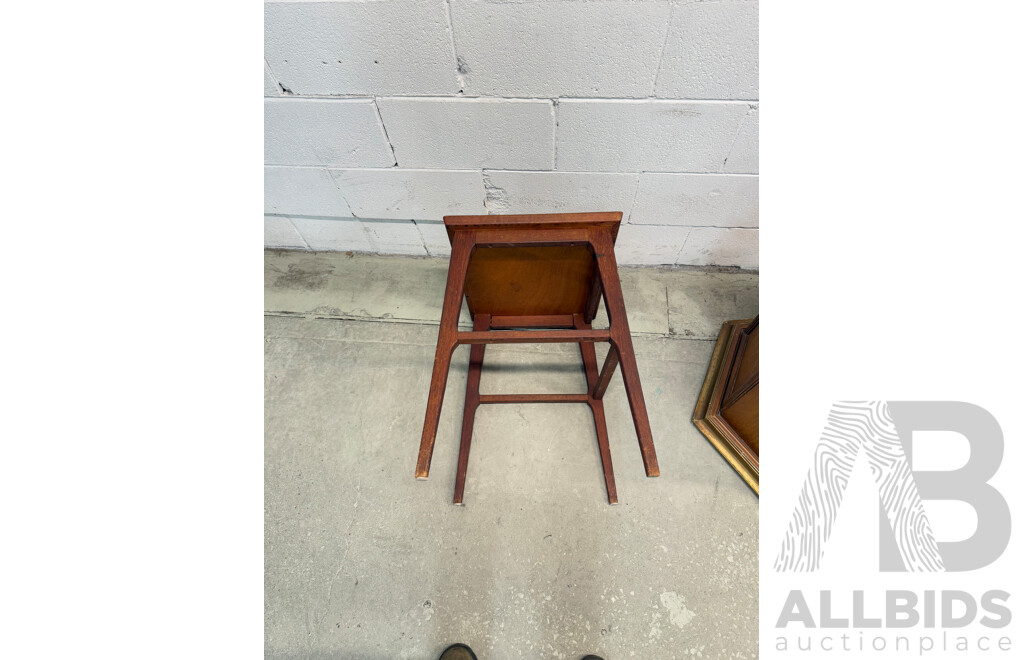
(458, 652)
(591, 657)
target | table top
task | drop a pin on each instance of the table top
(608, 219)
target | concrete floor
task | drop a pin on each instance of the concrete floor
(364, 561)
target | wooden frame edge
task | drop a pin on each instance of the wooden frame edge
(717, 440)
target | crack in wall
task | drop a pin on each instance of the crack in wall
(636, 191)
(273, 76)
(423, 239)
(495, 197)
(751, 109)
(341, 195)
(380, 118)
(661, 54)
(554, 135)
(461, 67)
(682, 246)
(298, 233)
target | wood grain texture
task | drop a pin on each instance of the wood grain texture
(545, 280)
(546, 321)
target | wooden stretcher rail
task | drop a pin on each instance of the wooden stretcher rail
(533, 398)
(531, 336)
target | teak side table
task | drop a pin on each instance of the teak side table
(546, 273)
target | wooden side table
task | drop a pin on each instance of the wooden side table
(728, 406)
(535, 279)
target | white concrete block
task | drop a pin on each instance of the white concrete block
(714, 246)
(339, 132)
(744, 155)
(411, 194)
(634, 136)
(435, 238)
(368, 48)
(301, 191)
(470, 133)
(395, 237)
(339, 235)
(278, 232)
(710, 52)
(558, 192)
(609, 48)
(645, 245)
(720, 200)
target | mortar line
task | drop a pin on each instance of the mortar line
(499, 169)
(292, 96)
(438, 222)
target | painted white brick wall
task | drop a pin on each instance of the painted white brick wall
(339, 132)
(382, 116)
(397, 194)
(280, 232)
(471, 133)
(743, 155)
(710, 52)
(660, 136)
(302, 191)
(360, 48)
(718, 200)
(552, 49)
(558, 192)
(435, 238)
(711, 246)
(395, 236)
(333, 235)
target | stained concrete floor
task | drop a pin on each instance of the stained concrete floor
(364, 561)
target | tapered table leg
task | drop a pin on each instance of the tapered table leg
(481, 322)
(453, 293)
(622, 344)
(597, 409)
